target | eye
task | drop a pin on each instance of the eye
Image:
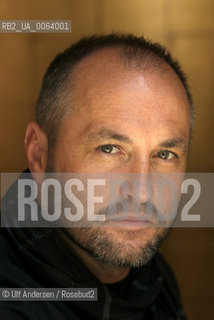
(109, 148)
(166, 155)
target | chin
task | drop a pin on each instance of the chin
(119, 247)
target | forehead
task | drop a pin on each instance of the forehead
(106, 86)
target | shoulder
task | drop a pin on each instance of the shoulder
(168, 274)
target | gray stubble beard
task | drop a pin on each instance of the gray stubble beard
(121, 254)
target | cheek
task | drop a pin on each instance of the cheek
(176, 165)
(61, 159)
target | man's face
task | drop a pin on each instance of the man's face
(126, 121)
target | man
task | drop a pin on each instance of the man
(111, 104)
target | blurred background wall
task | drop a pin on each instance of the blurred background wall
(186, 27)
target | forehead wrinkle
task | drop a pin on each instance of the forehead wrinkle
(105, 133)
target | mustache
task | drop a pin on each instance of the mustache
(122, 209)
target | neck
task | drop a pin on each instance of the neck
(105, 273)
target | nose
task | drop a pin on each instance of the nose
(137, 186)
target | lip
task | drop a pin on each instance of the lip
(131, 222)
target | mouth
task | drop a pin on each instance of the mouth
(130, 222)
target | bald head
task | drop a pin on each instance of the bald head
(110, 69)
(75, 73)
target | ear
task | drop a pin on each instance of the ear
(36, 145)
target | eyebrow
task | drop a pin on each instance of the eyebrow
(105, 133)
(108, 134)
(177, 142)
